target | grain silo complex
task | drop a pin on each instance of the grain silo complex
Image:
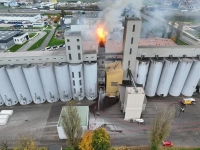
(88, 66)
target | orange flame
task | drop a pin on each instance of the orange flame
(102, 34)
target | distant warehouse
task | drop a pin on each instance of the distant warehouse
(10, 38)
(9, 18)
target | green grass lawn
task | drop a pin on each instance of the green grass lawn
(179, 42)
(39, 42)
(48, 27)
(31, 35)
(16, 47)
(54, 41)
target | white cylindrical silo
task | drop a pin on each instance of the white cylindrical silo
(19, 83)
(1, 101)
(90, 77)
(6, 89)
(142, 67)
(34, 83)
(199, 83)
(180, 76)
(192, 79)
(49, 82)
(63, 81)
(166, 77)
(153, 76)
(77, 82)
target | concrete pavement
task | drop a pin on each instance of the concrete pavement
(31, 42)
(46, 41)
(39, 121)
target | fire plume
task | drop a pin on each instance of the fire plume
(102, 34)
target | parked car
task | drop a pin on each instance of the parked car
(139, 121)
(64, 46)
(48, 48)
(59, 46)
(54, 47)
(167, 143)
(188, 101)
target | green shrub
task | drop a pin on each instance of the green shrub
(101, 139)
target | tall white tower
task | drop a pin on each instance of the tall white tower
(130, 44)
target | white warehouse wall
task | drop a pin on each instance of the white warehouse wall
(21, 39)
(21, 18)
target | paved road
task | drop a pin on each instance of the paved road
(36, 11)
(31, 42)
(188, 40)
(46, 41)
(39, 121)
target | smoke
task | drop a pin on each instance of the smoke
(114, 9)
(113, 12)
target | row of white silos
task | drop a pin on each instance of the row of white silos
(6, 89)
(42, 82)
(192, 79)
(173, 76)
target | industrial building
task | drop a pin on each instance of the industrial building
(9, 17)
(52, 1)
(151, 67)
(8, 38)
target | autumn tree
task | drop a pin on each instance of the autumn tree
(86, 142)
(49, 16)
(161, 126)
(71, 122)
(101, 139)
(55, 20)
(25, 143)
(52, 18)
(58, 16)
(4, 145)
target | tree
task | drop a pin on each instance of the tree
(49, 16)
(101, 139)
(4, 145)
(71, 122)
(58, 16)
(86, 142)
(52, 18)
(25, 143)
(55, 20)
(161, 126)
